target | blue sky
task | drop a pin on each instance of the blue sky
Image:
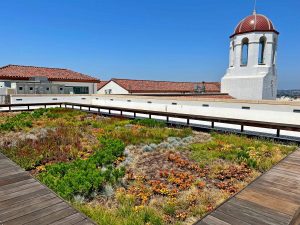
(181, 40)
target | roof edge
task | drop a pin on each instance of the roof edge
(246, 32)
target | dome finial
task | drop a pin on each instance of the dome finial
(254, 10)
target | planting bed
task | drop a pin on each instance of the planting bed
(120, 171)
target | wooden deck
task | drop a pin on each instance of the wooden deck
(23, 200)
(273, 198)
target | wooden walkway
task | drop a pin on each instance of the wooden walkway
(273, 198)
(23, 200)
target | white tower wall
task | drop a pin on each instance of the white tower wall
(252, 81)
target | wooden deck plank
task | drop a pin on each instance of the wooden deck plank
(10, 172)
(19, 188)
(25, 200)
(279, 182)
(273, 198)
(244, 214)
(250, 214)
(214, 221)
(84, 222)
(280, 217)
(53, 217)
(36, 214)
(21, 212)
(14, 178)
(73, 219)
(20, 193)
(277, 192)
(269, 201)
(228, 218)
(26, 203)
(20, 183)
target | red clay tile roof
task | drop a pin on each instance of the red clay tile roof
(101, 84)
(150, 86)
(16, 72)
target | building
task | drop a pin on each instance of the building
(151, 87)
(15, 79)
(252, 70)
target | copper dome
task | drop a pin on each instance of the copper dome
(255, 22)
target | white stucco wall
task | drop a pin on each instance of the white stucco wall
(115, 89)
(38, 98)
(252, 81)
(258, 111)
(92, 86)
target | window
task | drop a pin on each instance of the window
(149, 102)
(81, 90)
(261, 53)
(20, 88)
(205, 105)
(246, 107)
(7, 84)
(19, 99)
(232, 54)
(108, 91)
(128, 100)
(61, 89)
(174, 103)
(296, 110)
(274, 50)
(245, 47)
(31, 88)
(48, 89)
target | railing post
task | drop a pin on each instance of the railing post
(89, 108)
(109, 111)
(60, 105)
(134, 114)
(278, 133)
(99, 111)
(121, 113)
(28, 107)
(242, 128)
(72, 106)
(80, 107)
(65, 105)
(168, 119)
(212, 124)
(149, 116)
(45, 106)
(9, 108)
(188, 121)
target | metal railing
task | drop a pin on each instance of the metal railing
(121, 112)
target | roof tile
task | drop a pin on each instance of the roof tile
(150, 86)
(16, 72)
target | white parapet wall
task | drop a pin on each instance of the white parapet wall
(268, 111)
(25, 99)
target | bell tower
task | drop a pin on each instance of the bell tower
(252, 72)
